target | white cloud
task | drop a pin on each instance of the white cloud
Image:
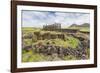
(40, 18)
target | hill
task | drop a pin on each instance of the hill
(82, 27)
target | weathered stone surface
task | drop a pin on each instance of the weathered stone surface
(27, 48)
(60, 51)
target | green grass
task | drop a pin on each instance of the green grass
(69, 42)
(27, 41)
(30, 29)
(88, 53)
(34, 57)
(58, 42)
(85, 29)
(26, 55)
(73, 42)
(70, 57)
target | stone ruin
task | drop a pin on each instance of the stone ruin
(57, 27)
(48, 36)
(50, 49)
(52, 27)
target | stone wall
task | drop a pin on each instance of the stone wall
(48, 36)
(52, 27)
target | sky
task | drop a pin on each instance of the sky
(39, 18)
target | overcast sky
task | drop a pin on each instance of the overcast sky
(40, 18)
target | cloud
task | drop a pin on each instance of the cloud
(40, 18)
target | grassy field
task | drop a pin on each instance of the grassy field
(30, 56)
(85, 29)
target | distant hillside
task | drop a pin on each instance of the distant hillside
(82, 27)
(85, 25)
